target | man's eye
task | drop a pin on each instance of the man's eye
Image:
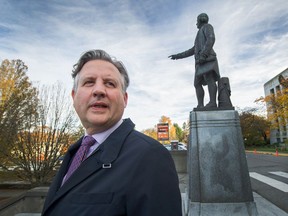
(88, 83)
(110, 84)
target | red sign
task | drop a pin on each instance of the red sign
(163, 131)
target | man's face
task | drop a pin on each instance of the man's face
(99, 99)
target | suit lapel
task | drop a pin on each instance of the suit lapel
(105, 154)
(61, 173)
(112, 146)
(87, 167)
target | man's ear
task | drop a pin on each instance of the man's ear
(125, 98)
(73, 93)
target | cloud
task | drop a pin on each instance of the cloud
(251, 44)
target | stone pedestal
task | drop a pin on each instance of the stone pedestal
(219, 182)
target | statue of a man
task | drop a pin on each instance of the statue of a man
(206, 64)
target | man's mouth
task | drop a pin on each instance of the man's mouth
(99, 105)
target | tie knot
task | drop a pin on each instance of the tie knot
(88, 141)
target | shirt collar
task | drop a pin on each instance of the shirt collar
(101, 137)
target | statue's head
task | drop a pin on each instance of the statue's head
(202, 19)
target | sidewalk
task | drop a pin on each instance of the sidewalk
(264, 207)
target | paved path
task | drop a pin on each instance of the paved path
(264, 207)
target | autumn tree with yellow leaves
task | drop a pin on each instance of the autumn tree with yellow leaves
(255, 128)
(41, 145)
(18, 101)
(36, 124)
(277, 105)
(172, 130)
(175, 131)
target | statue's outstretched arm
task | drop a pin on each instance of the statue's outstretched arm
(184, 54)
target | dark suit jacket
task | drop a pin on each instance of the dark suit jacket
(129, 174)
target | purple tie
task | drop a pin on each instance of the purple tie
(80, 155)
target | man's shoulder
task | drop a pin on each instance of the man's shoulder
(143, 137)
(143, 141)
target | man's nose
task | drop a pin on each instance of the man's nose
(99, 90)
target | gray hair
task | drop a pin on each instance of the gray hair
(99, 55)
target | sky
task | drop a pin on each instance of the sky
(50, 36)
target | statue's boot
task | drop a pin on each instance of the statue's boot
(212, 88)
(211, 104)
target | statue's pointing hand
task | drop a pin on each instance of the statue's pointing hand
(173, 57)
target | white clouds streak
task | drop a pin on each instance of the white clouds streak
(251, 44)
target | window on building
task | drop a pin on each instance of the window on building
(278, 90)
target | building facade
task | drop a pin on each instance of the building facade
(273, 86)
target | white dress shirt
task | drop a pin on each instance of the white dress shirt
(101, 137)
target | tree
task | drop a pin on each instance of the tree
(18, 99)
(36, 124)
(179, 132)
(175, 131)
(46, 137)
(255, 128)
(172, 130)
(185, 128)
(182, 133)
(277, 105)
(152, 132)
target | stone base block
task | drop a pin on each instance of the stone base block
(222, 209)
(218, 171)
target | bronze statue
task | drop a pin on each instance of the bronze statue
(206, 64)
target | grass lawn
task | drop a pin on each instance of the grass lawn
(268, 149)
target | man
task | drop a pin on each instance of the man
(206, 64)
(124, 172)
